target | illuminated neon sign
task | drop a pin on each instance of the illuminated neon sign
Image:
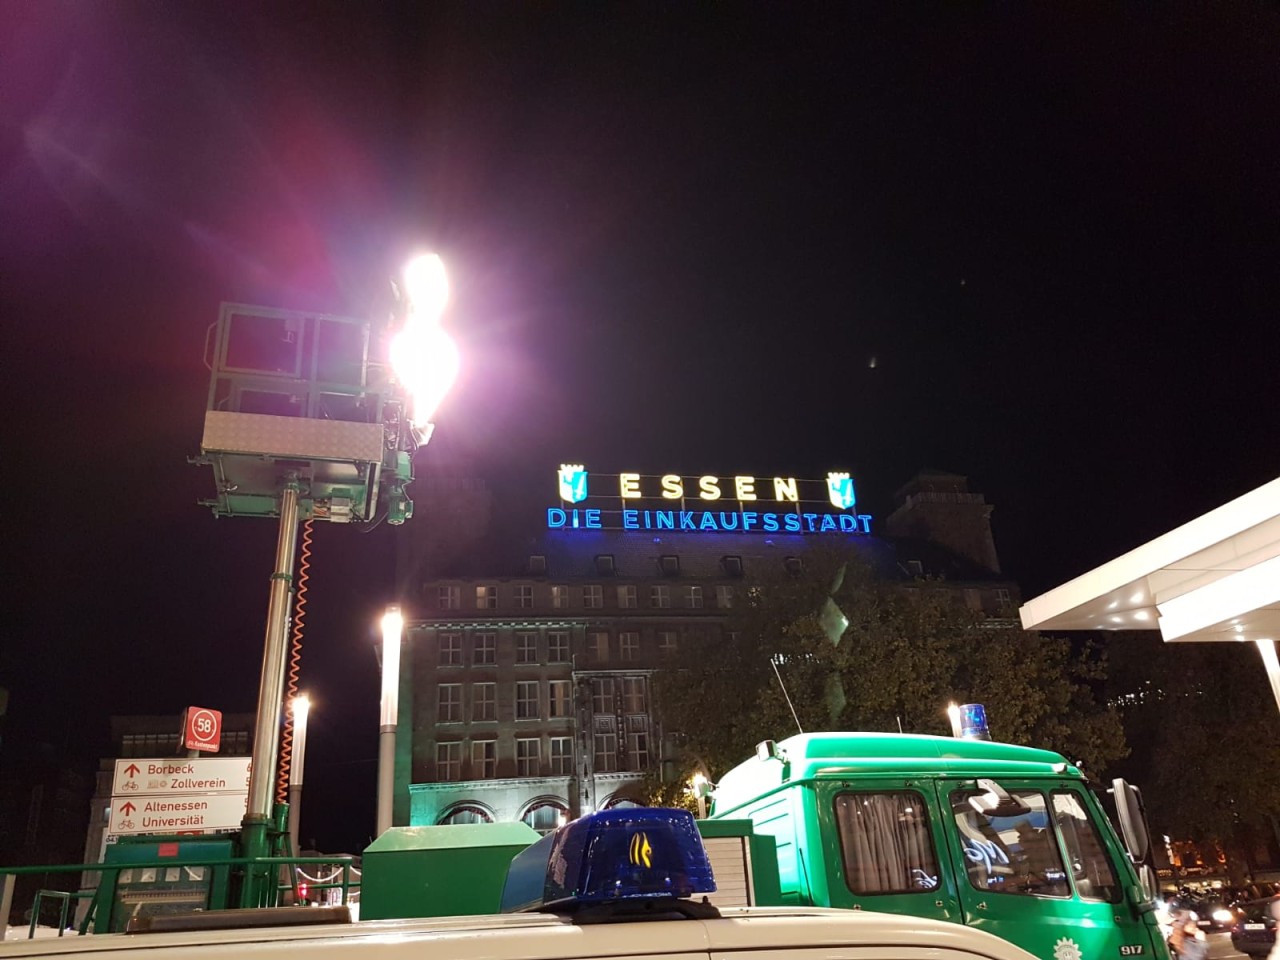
(708, 503)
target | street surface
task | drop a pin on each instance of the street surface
(1220, 947)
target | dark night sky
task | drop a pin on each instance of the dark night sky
(678, 233)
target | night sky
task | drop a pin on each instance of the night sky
(1033, 244)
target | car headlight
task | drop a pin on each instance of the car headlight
(1222, 915)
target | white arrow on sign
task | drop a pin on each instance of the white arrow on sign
(177, 775)
(216, 811)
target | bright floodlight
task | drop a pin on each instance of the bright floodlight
(423, 355)
(426, 285)
(300, 706)
(392, 627)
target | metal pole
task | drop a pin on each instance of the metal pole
(392, 630)
(301, 708)
(266, 731)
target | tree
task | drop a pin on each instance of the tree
(1209, 763)
(858, 652)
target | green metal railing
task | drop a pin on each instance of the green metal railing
(110, 877)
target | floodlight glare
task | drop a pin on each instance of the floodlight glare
(426, 285)
(300, 707)
(423, 356)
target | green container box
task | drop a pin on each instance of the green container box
(451, 870)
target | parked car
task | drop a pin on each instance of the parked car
(1255, 932)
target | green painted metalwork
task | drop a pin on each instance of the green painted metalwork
(450, 870)
(308, 394)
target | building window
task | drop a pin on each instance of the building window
(484, 652)
(484, 759)
(527, 700)
(598, 641)
(606, 750)
(561, 756)
(449, 598)
(724, 596)
(670, 565)
(526, 648)
(629, 646)
(560, 597)
(732, 566)
(602, 697)
(557, 647)
(538, 564)
(484, 702)
(449, 761)
(1003, 599)
(450, 649)
(466, 813)
(660, 595)
(633, 695)
(793, 566)
(693, 597)
(449, 708)
(524, 596)
(546, 815)
(528, 757)
(637, 745)
(605, 565)
(593, 596)
(560, 699)
(486, 598)
(627, 596)
(667, 643)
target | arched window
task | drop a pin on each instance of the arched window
(466, 813)
(546, 813)
(620, 801)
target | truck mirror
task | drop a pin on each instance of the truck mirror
(995, 801)
(1133, 823)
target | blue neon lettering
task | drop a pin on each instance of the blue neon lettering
(686, 520)
(728, 521)
(629, 521)
(647, 522)
(593, 519)
(666, 519)
(708, 521)
(770, 521)
(791, 522)
(848, 524)
(574, 519)
(866, 522)
(749, 520)
(555, 517)
(828, 522)
(808, 520)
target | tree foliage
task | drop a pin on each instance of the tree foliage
(1208, 732)
(906, 652)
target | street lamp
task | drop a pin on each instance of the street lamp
(392, 628)
(300, 709)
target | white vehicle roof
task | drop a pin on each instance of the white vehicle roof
(751, 932)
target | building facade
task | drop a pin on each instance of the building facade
(526, 680)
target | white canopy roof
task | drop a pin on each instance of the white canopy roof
(1215, 578)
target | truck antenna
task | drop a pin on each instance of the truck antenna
(774, 662)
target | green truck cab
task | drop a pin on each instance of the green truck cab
(1005, 838)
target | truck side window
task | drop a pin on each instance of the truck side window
(885, 842)
(1090, 867)
(1015, 854)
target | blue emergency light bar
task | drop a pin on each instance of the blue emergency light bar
(636, 853)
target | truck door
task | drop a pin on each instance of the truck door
(884, 848)
(1035, 870)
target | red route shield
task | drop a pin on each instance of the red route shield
(202, 729)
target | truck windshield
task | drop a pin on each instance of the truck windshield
(1016, 854)
(1091, 869)
(885, 842)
